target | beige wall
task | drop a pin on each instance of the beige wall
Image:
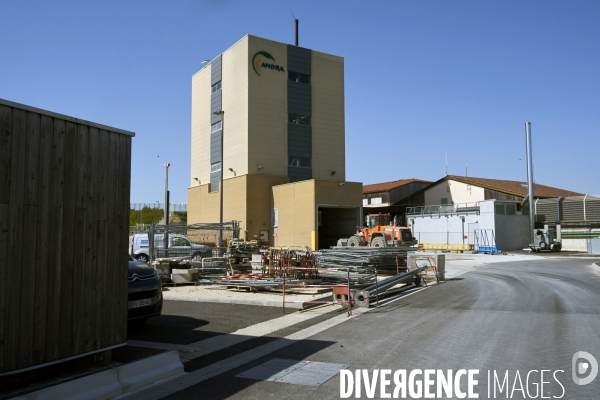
(234, 73)
(235, 104)
(328, 128)
(456, 192)
(268, 115)
(297, 204)
(260, 204)
(204, 206)
(330, 192)
(200, 146)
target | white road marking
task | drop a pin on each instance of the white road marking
(175, 385)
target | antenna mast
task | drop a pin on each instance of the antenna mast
(446, 163)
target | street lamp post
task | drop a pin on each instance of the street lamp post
(222, 114)
(166, 214)
(166, 236)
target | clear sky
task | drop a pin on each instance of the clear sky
(422, 78)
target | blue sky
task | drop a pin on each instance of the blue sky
(422, 78)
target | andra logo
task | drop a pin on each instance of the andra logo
(260, 60)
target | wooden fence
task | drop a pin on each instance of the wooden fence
(64, 212)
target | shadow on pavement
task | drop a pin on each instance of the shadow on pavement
(170, 329)
(227, 384)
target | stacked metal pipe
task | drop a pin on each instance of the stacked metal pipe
(386, 260)
(363, 297)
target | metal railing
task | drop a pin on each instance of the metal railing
(173, 207)
(443, 210)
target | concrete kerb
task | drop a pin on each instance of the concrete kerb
(100, 386)
(141, 374)
(115, 383)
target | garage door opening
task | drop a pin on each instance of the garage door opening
(335, 223)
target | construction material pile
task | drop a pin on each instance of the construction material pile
(357, 278)
(240, 253)
(386, 260)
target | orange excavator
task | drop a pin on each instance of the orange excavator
(381, 233)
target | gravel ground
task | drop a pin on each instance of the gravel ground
(214, 292)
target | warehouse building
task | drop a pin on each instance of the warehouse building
(465, 210)
(270, 117)
(393, 197)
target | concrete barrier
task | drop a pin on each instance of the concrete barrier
(141, 374)
(101, 386)
(116, 382)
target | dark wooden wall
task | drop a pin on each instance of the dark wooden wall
(64, 215)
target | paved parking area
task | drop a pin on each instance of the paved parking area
(184, 322)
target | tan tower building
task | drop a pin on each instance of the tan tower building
(283, 152)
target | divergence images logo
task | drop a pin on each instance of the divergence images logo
(581, 367)
(258, 63)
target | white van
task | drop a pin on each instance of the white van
(179, 246)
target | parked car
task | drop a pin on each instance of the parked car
(144, 297)
(179, 246)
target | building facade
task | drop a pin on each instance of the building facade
(282, 123)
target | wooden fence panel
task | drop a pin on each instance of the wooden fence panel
(112, 258)
(5, 149)
(44, 232)
(90, 273)
(103, 284)
(53, 331)
(64, 212)
(15, 239)
(28, 247)
(3, 261)
(80, 237)
(5, 173)
(68, 241)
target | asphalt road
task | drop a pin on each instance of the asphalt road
(510, 316)
(184, 322)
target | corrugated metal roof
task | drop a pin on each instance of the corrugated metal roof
(515, 188)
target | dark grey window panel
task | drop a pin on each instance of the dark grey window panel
(215, 70)
(299, 99)
(215, 105)
(299, 174)
(299, 59)
(299, 150)
(214, 181)
(299, 141)
(215, 147)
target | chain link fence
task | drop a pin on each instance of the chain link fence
(195, 241)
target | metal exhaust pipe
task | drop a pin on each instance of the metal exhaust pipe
(530, 181)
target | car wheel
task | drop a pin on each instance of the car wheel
(143, 257)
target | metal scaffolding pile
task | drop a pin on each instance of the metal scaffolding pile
(355, 278)
(386, 260)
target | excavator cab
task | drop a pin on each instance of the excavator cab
(379, 219)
